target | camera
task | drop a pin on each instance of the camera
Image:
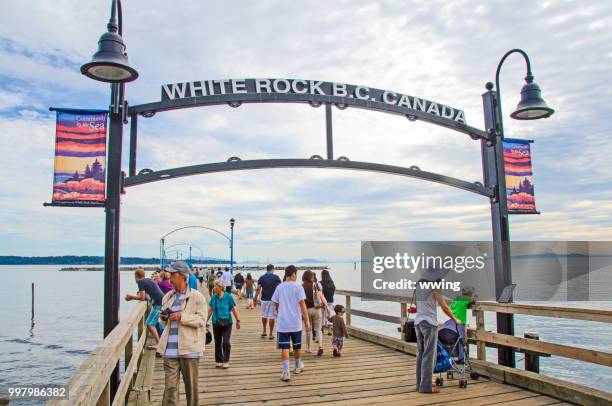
(164, 314)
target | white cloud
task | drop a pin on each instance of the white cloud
(440, 51)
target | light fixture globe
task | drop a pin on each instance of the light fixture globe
(110, 63)
(532, 106)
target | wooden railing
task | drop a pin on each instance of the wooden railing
(89, 385)
(532, 347)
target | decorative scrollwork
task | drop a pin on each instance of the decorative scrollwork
(234, 159)
(415, 168)
(315, 104)
(234, 104)
(343, 158)
(411, 117)
(316, 157)
(148, 114)
(341, 106)
(145, 171)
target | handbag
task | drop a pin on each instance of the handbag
(443, 362)
(208, 337)
(316, 298)
(408, 331)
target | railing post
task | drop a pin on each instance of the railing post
(481, 348)
(348, 310)
(129, 352)
(403, 311)
(532, 361)
(105, 397)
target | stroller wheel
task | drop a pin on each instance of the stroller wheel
(449, 374)
(474, 375)
(439, 382)
(463, 383)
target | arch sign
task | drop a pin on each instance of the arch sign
(309, 90)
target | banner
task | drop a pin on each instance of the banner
(80, 158)
(519, 177)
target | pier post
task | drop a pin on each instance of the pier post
(532, 360)
(348, 310)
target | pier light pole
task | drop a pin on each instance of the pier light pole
(110, 64)
(232, 222)
(531, 107)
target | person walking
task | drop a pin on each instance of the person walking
(222, 306)
(314, 303)
(227, 280)
(266, 284)
(329, 288)
(249, 285)
(338, 329)
(182, 342)
(289, 301)
(426, 327)
(211, 283)
(239, 283)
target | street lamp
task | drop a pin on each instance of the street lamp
(110, 62)
(232, 222)
(531, 107)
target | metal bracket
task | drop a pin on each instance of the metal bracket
(124, 113)
(122, 182)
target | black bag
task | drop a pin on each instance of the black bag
(208, 337)
(408, 331)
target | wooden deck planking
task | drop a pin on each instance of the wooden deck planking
(366, 374)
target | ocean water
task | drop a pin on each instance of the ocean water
(67, 325)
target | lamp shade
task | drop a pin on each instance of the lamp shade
(110, 62)
(532, 106)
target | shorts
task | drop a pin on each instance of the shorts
(238, 287)
(228, 289)
(249, 293)
(153, 318)
(284, 340)
(268, 309)
(338, 342)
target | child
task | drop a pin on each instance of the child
(338, 330)
(460, 304)
(289, 299)
(249, 285)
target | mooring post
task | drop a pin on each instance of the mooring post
(32, 301)
(532, 360)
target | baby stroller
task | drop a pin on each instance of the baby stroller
(451, 336)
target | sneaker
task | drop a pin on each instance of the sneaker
(225, 365)
(335, 352)
(219, 364)
(285, 376)
(320, 352)
(299, 369)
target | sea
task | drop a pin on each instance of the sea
(68, 312)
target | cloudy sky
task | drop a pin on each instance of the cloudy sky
(440, 50)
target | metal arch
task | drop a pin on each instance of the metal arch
(473, 187)
(183, 228)
(148, 109)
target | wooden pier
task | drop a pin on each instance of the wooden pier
(374, 369)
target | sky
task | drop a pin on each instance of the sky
(440, 50)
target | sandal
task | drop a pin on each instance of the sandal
(263, 335)
(271, 337)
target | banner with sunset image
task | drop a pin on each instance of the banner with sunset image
(80, 158)
(519, 177)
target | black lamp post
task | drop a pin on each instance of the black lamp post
(531, 107)
(232, 222)
(110, 64)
